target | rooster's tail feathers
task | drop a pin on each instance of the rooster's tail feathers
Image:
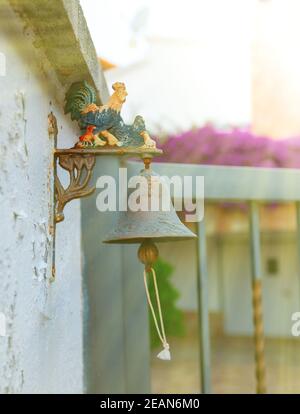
(79, 95)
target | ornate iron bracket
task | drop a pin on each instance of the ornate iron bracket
(80, 168)
(80, 164)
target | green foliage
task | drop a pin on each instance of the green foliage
(173, 317)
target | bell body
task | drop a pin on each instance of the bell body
(159, 226)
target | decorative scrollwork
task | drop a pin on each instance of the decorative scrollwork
(80, 168)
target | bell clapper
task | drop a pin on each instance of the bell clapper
(148, 254)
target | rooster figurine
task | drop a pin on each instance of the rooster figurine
(88, 136)
(103, 125)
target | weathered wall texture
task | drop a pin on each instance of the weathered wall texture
(42, 349)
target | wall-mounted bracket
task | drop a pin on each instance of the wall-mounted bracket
(80, 164)
(80, 169)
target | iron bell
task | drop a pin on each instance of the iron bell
(158, 226)
(147, 227)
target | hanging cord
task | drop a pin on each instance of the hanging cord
(165, 353)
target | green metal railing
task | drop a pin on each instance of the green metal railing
(254, 186)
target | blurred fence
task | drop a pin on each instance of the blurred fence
(253, 186)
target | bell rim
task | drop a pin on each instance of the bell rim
(156, 239)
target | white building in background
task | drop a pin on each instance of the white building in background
(184, 63)
(276, 68)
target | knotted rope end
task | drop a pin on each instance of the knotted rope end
(165, 353)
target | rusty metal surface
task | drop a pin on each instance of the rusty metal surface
(259, 341)
(257, 300)
(110, 151)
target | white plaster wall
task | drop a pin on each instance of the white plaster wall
(42, 349)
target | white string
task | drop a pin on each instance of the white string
(165, 354)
